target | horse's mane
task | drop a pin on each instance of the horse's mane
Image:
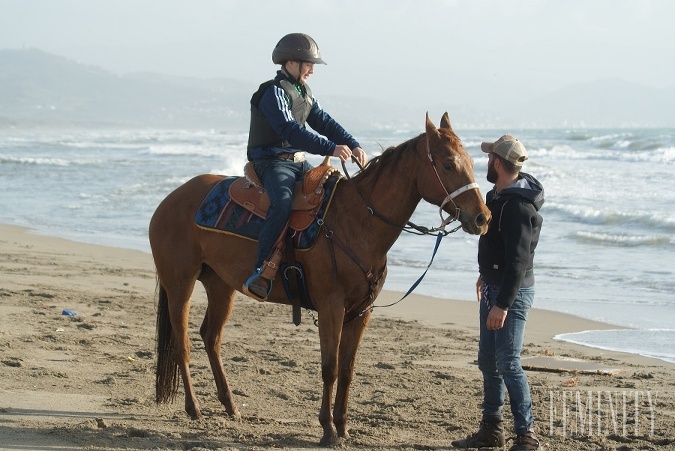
(389, 157)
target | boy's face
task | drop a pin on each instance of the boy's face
(300, 70)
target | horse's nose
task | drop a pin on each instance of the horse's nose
(481, 220)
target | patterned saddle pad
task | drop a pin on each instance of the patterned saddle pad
(220, 213)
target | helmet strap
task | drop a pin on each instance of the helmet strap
(294, 79)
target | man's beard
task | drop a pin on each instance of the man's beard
(492, 174)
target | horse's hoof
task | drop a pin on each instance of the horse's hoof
(330, 441)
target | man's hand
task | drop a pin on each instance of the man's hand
(479, 285)
(496, 318)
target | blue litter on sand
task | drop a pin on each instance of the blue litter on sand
(68, 313)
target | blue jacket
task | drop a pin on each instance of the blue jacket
(275, 106)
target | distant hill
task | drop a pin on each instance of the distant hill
(37, 88)
(41, 89)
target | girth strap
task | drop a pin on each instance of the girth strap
(295, 282)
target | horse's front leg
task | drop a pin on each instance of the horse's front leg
(330, 328)
(352, 333)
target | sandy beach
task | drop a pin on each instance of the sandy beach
(87, 381)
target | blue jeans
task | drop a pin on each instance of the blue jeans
(499, 359)
(279, 177)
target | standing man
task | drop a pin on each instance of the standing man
(280, 111)
(505, 290)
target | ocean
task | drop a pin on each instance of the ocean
(607, 247)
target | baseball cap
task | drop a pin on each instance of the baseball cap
(507, 147)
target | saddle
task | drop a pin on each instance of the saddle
(248, 192)
(308, 196)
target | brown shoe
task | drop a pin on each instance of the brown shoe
(489, 435)
(257, 287)
(525, 442)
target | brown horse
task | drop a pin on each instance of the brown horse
(345, 268)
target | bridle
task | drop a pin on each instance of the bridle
(411, 227)
(449, 197)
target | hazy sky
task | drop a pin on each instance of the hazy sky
(378, 48)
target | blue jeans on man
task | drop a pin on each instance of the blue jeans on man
(499, 359)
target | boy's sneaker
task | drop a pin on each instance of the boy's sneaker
(257, 286)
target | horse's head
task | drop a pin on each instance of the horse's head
(449, 181)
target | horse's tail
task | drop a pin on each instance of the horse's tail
(166, 374)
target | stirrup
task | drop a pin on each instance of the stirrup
(247, 292)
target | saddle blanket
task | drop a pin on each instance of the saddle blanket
(220, 213)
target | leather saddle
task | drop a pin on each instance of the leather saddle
(248, 192)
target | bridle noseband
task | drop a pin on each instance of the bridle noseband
(449, 197)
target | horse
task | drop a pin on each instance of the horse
(344, 270)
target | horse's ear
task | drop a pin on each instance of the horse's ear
(430, 125)
(445, 121)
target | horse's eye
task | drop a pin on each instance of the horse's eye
(449, 166)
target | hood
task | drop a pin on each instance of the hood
(527, 187)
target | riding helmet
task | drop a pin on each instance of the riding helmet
(297, 47)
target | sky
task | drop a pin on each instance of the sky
(381, 49)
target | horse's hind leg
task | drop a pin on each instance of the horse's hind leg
(352, 333)
(179, 310)
(220, 298)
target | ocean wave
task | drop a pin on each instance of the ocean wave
(45, 161)
(34, 161)
(656, 154)
(578, 136)
(84, 140)
(208, 150)
(123, 139)
(630, 153)
(152, 189)
(609, 216)
(645, 145)
(624, 240)
(407, 262)
(101, 145)
(180, 150)
(472, 142)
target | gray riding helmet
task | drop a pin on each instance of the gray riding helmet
(297, 47)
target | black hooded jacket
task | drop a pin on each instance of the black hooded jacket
(506, 251)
